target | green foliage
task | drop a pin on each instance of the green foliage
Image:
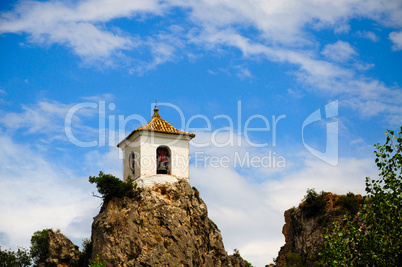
(97, 262)
(236, 253)
(110, 186)
(313, 204)
(19, 258)
(374, 238)
(85, 255)
(349, 202)
(40, 245)
(294, 259)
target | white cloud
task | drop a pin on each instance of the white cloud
(37, 118)
(244, 73)
(325, 77)
(339, 51)
(37, 194)
(295, 93)
(163, 48)
(38, 187)
(396, 38)
(279, 34)
(368, 35)
(96, 161)
(77, 25)
(47, 118)
(82, 27)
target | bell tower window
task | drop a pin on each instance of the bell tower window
(162, 160)
(131, 162)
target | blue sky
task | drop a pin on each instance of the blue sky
(198, 59)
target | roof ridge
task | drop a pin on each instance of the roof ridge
(159, 125)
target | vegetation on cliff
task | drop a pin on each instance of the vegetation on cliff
(375, 237)
(303, 229)
(110, 186)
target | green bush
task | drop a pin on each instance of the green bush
(19, 258)
(110, 186)
(349, 202)
(313, 204)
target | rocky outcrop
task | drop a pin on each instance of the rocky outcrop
(61, 252)
(303, 229)
(167, 225)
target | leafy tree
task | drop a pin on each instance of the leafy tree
(374, 236)
(40, 245)
(110, 186)
(19, 258)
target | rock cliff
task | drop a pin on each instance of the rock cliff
(166, 225)
(61, 252)
(303, 229)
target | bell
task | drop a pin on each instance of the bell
(162, 166)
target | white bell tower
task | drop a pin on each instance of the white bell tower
(156, 148)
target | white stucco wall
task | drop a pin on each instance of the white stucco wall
(144, 144)
(127, 147)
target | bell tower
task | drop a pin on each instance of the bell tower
(156, 148)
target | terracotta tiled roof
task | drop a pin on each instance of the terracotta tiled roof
(157, 124)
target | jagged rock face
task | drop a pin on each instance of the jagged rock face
(304, 234)
(61, 251)
(167, 226)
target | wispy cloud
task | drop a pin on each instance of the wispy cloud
(339, 51)
(396, 38)
(38, 118)
(77, 25)
(368, 35)
(82, 25)
(41, 193)
(278, 33)
(47, 118)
